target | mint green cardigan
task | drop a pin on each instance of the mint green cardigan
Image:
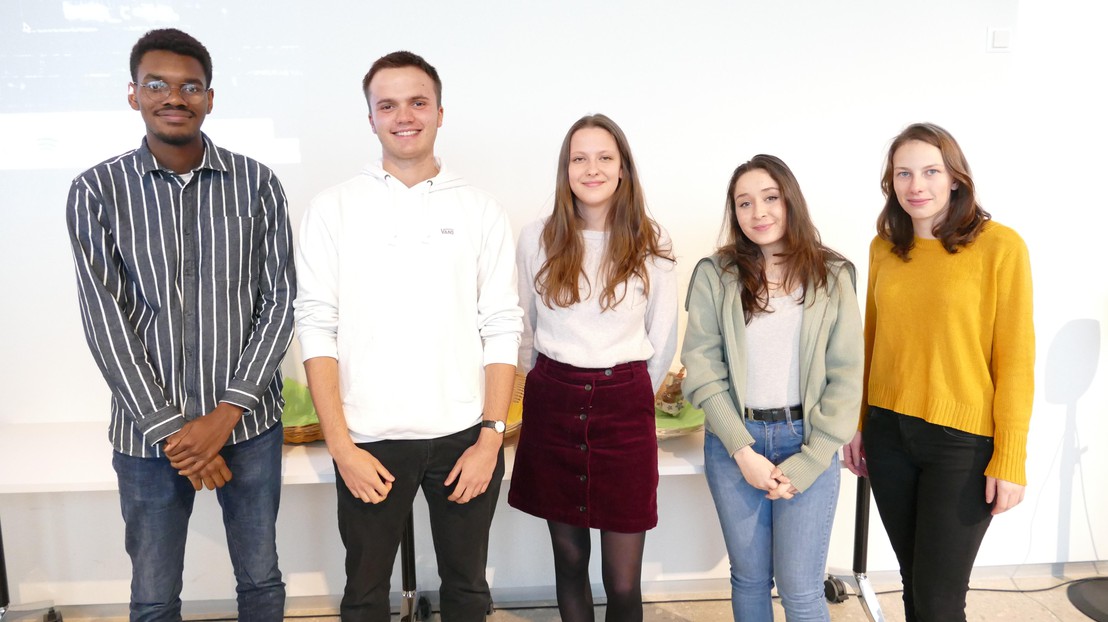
(831, 364)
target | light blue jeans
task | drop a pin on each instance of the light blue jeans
(784, 539)
(157, 504)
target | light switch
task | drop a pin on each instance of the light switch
(999, 40)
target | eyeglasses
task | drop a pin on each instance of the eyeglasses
(160, 90)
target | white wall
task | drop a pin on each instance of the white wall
(699, 89)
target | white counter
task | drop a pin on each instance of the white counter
(55, 457)
(64, 535)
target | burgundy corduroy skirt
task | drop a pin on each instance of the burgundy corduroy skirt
(588, 451)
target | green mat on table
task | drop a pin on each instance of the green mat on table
(687, 418)
(298, 405)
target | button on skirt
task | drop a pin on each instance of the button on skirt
(588, 452)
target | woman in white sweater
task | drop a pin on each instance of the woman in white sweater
(598, 289)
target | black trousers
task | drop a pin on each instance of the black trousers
(929, 485)
(371, 533)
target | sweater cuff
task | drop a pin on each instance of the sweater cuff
(804, 467)
(726, 423)
(1009, 457)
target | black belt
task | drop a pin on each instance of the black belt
(773, 415)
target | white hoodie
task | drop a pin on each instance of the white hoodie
(413, 291)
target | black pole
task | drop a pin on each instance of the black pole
(861, 526)
(407, 557)
(5, 596)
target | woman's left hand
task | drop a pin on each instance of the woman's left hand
(854, 456)
(1005, 494)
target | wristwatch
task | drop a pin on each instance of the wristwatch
(496, 425)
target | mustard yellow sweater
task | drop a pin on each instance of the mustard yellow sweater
(950, 339)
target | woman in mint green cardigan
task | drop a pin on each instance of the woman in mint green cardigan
(773, 352)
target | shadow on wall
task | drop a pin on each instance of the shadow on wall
(1070, 368)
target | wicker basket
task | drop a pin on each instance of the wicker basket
(515, 408)
(303, 434)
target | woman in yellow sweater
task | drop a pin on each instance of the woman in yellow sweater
(949, 376)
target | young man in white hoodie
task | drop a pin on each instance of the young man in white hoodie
(409, 324)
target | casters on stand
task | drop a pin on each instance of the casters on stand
(834, 590)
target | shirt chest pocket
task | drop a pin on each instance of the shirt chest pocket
(234, 248)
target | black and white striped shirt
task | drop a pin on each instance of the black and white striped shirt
(185, 289)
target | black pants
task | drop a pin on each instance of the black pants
(929, 485)
(371, 533)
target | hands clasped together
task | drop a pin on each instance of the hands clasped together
(194, 449)
(760, 473)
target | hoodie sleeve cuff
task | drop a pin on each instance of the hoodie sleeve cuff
(502, 349)
(314, 346)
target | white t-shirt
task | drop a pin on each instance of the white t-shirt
(773, 353)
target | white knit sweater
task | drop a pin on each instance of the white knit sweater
(640, 328)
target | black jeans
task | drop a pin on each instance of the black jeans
(929, 484)
(371, 533)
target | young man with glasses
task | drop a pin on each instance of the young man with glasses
(185, 284)
(408, 282)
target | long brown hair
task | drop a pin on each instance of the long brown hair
(633, 238)
(964, 217)
(805, 255)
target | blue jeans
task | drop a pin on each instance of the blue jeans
(157, 504)
(785, 539)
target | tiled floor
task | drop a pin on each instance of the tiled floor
(1051, 605)
(1004, 599)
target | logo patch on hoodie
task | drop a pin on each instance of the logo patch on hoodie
(447, 231)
